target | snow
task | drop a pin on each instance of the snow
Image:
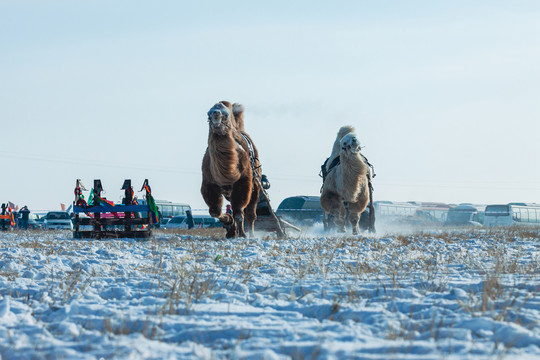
(462, 294)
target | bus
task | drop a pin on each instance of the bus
(433, 212)
(395, 212)
(168, 209)
(466, 214)
(512, 214)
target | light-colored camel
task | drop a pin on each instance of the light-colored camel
(346, 186)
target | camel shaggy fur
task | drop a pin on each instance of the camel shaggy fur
(346, 186)
(228, 169)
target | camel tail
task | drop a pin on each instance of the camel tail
(344, 130)
(238, 112)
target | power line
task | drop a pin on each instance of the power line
(100, 163)
(310, 179)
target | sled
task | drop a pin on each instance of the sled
(109, 220)
(275, 224)
(267, 220)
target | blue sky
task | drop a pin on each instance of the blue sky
(444, 95)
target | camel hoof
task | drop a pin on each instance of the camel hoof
(226, 219)
(231, 230)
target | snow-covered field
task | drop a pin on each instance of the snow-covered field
(463, 294)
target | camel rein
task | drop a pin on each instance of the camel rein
(256, 180)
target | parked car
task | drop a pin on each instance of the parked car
(34, 222)
(40, 220)
(57, 220)
(466, 214)
(301, 210)
(200, 221)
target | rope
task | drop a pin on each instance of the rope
(256, 179)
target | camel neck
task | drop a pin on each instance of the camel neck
(223, 158)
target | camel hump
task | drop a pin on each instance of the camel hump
(344, 130)
(227, 104)
(238, 112)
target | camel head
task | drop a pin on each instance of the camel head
(349, 143)
(220, 119)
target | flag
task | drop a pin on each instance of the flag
(11, 217)
(153, 208)
(13, 206)
(63, 207)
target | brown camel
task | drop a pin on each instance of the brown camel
(229, 166)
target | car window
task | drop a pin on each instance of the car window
(292, 203)
(312, 205)
(177, 220)
(57, 216)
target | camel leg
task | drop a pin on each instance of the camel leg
(212, 197)
(355, 211)
(354, 217)
(324, 220)
(341, 219)
(333, 206)
(240, 197)
(330, 222)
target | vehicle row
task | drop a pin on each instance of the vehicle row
(307, 210)
(49, 220)
(167, 210)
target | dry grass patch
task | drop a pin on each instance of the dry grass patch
(207, 233)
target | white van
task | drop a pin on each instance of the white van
(199, 221)
(57, 220)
